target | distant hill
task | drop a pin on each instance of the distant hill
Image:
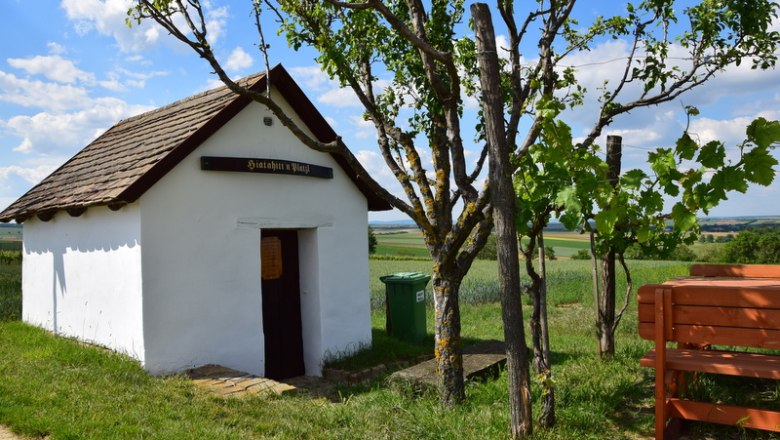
(392, 224)
(708, 224)
(736, 224)
(10, 237)
(10, 231)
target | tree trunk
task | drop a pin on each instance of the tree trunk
(605, 325)
(449, 357)
(543, 362)
(606, 321)
(502, 196)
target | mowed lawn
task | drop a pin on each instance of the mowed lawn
(62, 389)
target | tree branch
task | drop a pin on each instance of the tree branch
(629, 288)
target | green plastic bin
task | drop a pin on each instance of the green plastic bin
(405, 305)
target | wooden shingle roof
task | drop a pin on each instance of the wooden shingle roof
(126, 160)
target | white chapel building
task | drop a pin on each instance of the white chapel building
(204, 232)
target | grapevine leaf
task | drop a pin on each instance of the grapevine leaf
(633, 179)
(605, 221)
(683, 218)
(759, 166)
(643, 234)
(712, 154)
(764, 133)
(686, 147)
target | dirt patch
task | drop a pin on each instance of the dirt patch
(6, 434)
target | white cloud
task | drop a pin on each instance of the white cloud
(311, 77)
(53, 67)
(340, 97)
(238, 60)
(363, 129)
(151, 35)
(56, 48)
(216, 23)
(375, 165)
(211, 83)
(131, 78)
(113, 84)
(502, 46)
(6, 201)
(17, 178)
(48, 132)
(31, 175)
(107, 17)
(329, 92)
(43, 95)
(729, 131)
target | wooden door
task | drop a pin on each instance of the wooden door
(281, 304)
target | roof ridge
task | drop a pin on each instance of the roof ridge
(246, 79)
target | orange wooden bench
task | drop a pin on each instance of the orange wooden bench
(731, 306)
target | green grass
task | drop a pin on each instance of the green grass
(10, 291)
(63, 389)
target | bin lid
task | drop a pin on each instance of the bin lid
(405, 278)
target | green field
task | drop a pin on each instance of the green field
(409, 242)
(58, 388)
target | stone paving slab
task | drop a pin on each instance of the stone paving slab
(227, 382)
(480, 361)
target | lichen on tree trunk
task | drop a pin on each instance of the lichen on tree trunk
(449, 355)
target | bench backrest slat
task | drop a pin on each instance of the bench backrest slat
(736, 270)
(740, 337)
(747, 317)
(718, 316)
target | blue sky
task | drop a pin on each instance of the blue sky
(71, 69)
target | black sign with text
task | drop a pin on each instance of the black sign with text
(266, 166)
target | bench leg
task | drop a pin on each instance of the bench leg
(660, 407)
(660, 366)
(674, 428)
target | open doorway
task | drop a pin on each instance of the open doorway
(281, 303)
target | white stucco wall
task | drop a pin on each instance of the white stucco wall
(201, 234)
(81, 277)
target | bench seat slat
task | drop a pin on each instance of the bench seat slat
(764, 366)
(747, 317)
(725, 414)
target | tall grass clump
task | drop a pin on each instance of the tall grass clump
(10, 291)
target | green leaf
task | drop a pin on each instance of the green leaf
(605, 221)
(570, 220)
(643, 234)
(759, 166)
(686, 147)
(712, 155)
(662, 162)
(568, 199)
(684, 219)
(633, 179)
(729, 179)
(764, 133)
(651, 201)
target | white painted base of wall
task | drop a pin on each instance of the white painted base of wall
(81, 277)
